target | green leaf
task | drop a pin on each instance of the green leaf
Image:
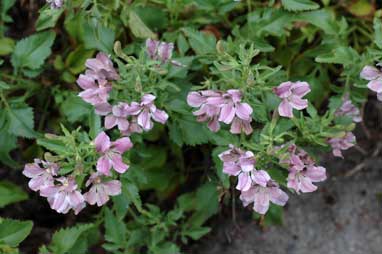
(64, 239)
(378, 32)
(10, 193)
(21, 122)
(8, 143)
(340, 55)
(13, 232)
(197, 233)
(48, 18)
(299, 5)
(115, 230)
(75, 109)
(97, 36)
(76, 59)
(201, 43)
(138, 28)
(32, 51)
(6, 46)
(5, 6)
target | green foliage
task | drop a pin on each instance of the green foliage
(13, 232)
(299, 5)
(10, 193)
(32, 51)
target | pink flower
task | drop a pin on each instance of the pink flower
(103, 109)
(55, 4)
(342, 143)
(238, 163)
(118, 117)
(262, 192)
(100, 191)
(291, 94)
(146, 110)
(64, 196)
(101, 67)
(95, 91)
(40, 176)
(111, 153)
(373, 75)
(157, 50)
(348, 109)
(226, 107)
(133, 127)
(302, 171)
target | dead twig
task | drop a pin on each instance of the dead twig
(362, 165)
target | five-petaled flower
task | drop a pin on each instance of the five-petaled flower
(291, 94)
(348, 109)
(374, 76)
(342, 143)
(145, 111)
(100, 191)
(263, 191)
(302, 171)
(40, 176)
(111, 153)
(64, 196)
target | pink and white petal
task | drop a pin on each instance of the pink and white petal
(316, 174)
(103, 109)
(370, 72)
(300, 88)
(213, 125)
(227, 113)
(86, 82)
(32, 170)
(244, 182)
(118, 164)
(123, 124)
(79, 208)
(104, 165)
(306, 185)
(102, 142)
(261, 177)
(160, 116)
(144, 120)
(113, 187)
(147, 99)
(298, 103)
(101, 196)
(285, 109)
(375, 85)
(244, 111)
(36, 183)
(110, 121)
(90, 196)
(75, 198)
(277, 196)
(231, 169)
(194, 99)
(283, 90)
(261, 202)
(122, 144)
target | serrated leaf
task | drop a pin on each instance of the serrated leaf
(10, 193)
(5, 6)
(201, 43)
(64, 239)
(13, 232)
(8, 143)
(97, 36)
(32, 51)
(197, 233)
(48, 18)
(115, 230)
(21, 122)
(299, 5)
(340, 55)
(138, 28)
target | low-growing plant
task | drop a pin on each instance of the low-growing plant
(153, 110)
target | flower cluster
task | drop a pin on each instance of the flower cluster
(302, 170)
(226, 107)
(374, 76)
(291, 94)
(96, 81)
(55, 4)
(256, 186)
(348, 109)
(141, 115)
(342, 143)
(62, 192)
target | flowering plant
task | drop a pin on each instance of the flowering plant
(143, 137)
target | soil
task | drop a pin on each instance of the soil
(343, 217)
